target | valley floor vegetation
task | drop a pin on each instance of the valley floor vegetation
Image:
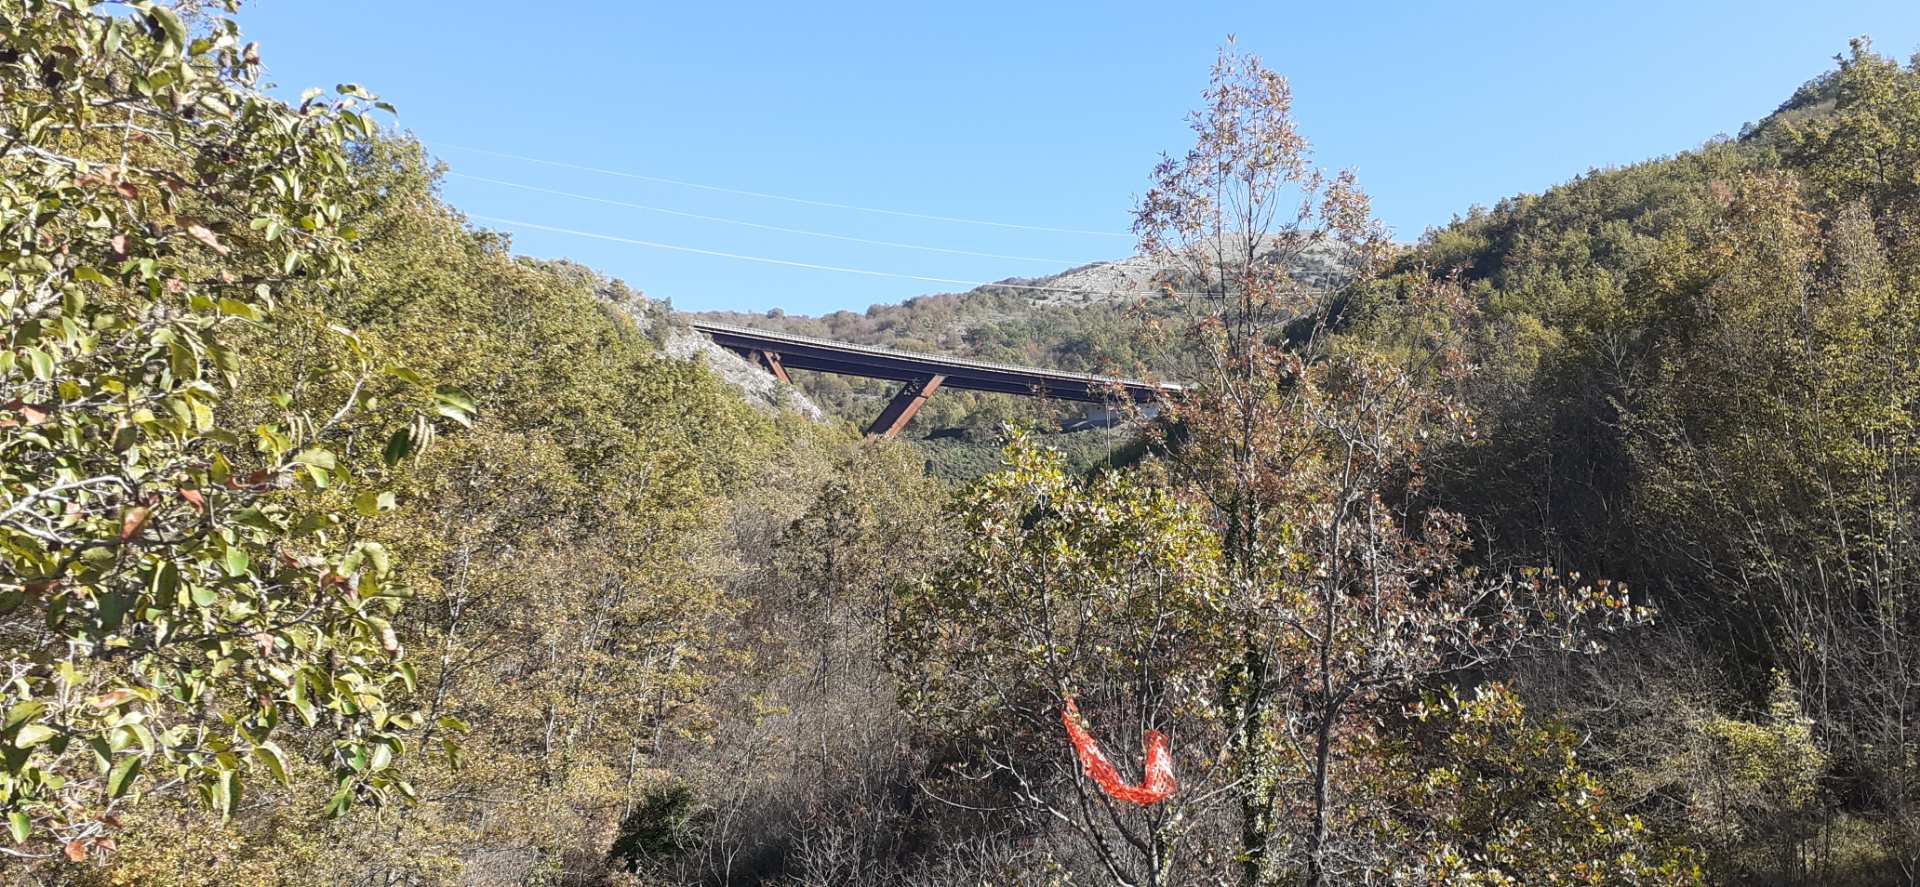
(1569, 545)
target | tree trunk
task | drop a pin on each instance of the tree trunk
(1322, 785)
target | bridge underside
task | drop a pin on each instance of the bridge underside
(920, 374)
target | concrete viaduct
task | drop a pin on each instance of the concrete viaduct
(920, 375)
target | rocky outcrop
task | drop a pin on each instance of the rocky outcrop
(756, 384)
(655, 320)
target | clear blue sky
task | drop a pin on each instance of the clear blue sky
(1034, 113)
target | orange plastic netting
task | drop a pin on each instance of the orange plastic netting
(1157, 787)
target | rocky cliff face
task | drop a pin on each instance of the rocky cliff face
(677, 341)
(756, 384)
(1125, 279)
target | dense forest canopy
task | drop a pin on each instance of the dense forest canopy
(338, 544)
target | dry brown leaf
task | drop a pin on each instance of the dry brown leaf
(109, 700)
(207, 237)
(132, 521)
(31, 414)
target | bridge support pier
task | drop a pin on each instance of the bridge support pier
(900, 410)
(771, 360)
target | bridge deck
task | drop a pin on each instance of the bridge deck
(847, 359)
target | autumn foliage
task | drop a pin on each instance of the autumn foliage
(618, 627)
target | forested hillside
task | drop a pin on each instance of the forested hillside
(339, 544)
(348, 544)
(1697, 377)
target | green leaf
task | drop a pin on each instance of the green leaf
(226, 793)
(124, 774)
(42, 363)
(377, 553)
(454, 404)
(32, 735)
(452, 750)
(271, 757)
(340, 803)
(20, 713)
(141, 733)
(232, 307)
(315, 457)
(297, 697)
(166, 581)
(237, 561)
(170, 25)
(454, 397)
(202, 414)
(20, 826)
(113, 608)
(182, 361)
(398, 446)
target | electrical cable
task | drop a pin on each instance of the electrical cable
(766, 196)
(726, 221)
(652, 244)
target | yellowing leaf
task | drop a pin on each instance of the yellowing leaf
(32, 735)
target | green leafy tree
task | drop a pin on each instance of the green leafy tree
(1700, 377)
(1507, 801)
(1765, 786)
(1308, 451)
(1869, 144)
(1105, 591)
(181, 578)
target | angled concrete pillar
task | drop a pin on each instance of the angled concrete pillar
(900, 410)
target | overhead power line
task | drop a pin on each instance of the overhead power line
(765, 196)
(725, 221)
(652, 244)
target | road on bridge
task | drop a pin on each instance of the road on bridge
(921, 374)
